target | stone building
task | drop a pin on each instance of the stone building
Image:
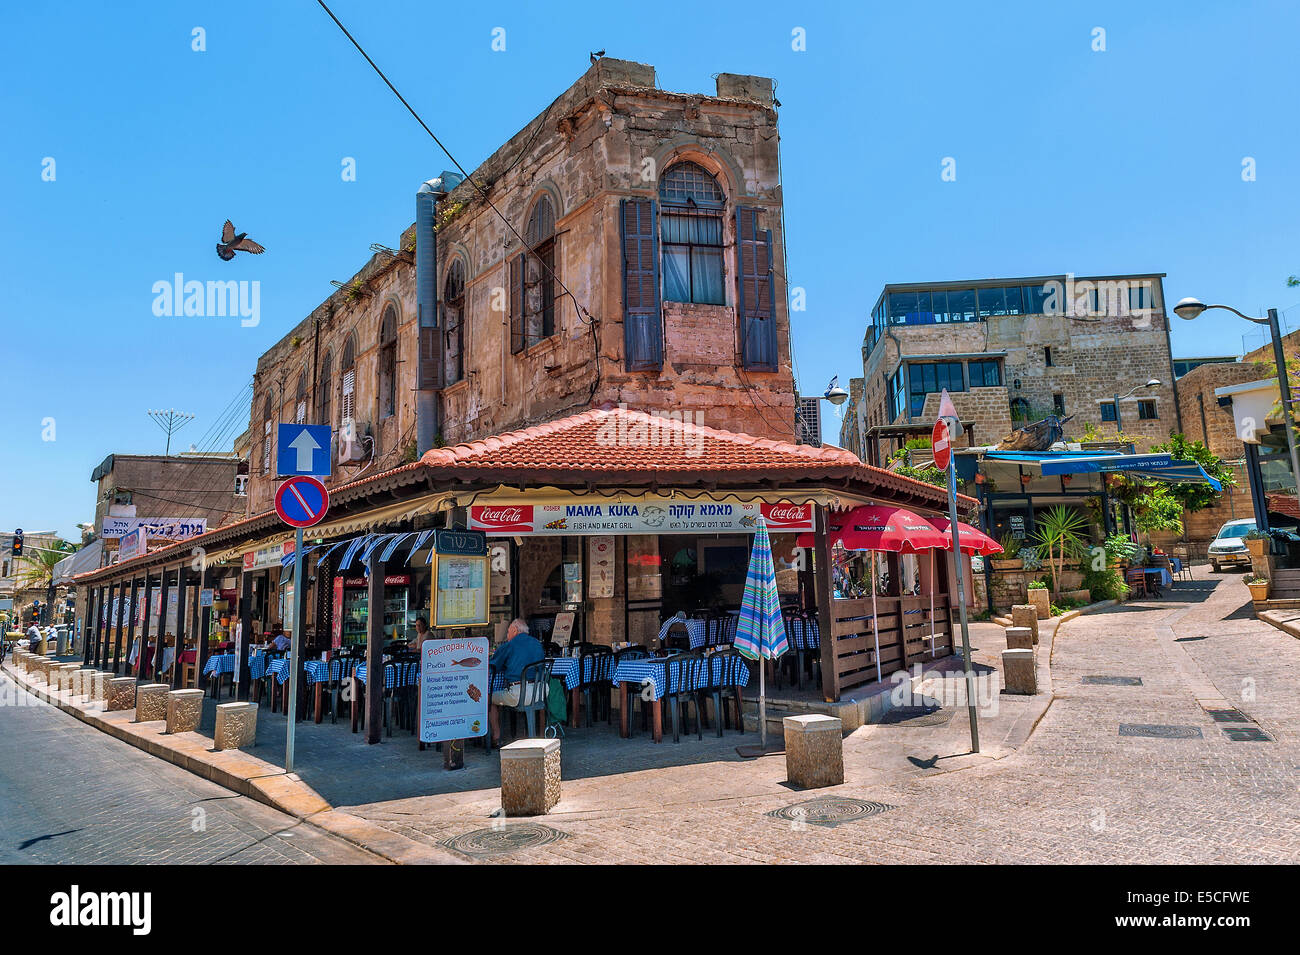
(1011, 351)
(642, 266)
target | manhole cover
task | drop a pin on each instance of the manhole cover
(1229, 715)
(1114, 680)
(830, 811)
(1246, 734)
(916, 716)
(486, 843)
(1159, 731)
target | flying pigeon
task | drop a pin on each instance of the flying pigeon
(231, 243)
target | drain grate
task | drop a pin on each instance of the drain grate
(916, 716)
(1160, 731)
(488, 843)
(830, 811)
(1113, 680)
(1229, 715)
(1246, 734)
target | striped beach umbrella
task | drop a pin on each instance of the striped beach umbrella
(760, 631)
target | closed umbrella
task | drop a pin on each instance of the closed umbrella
(760, 631)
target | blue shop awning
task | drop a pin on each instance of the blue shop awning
(1158, 467)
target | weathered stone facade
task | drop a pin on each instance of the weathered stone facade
(608, 138)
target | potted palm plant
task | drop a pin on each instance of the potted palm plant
(1060, 538)
(1009, 559)
(1258, 588)
(1037, 595)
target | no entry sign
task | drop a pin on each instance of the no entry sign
(302, 501)
(942, 445)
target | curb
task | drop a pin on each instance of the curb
(246, 775)
(1068, 615)
(1273, 619)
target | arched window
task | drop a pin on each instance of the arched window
(1019, 409)
(453, 315)
(324, 389)
(266, 434)
(537, 321)
(690, 230)
(388, 364)
(300, 399)
(348, 404)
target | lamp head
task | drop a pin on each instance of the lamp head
(1153, 383)
(834, 393)
(1189, 308)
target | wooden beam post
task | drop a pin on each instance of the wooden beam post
(156, 662)
(102, 649)
(142, 657)
(91, 627)
(130, 626)
(375, 651)
(205, 623)
(825, 604)
(241, 677)
(182, 588)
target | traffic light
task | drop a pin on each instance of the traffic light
(18, 543)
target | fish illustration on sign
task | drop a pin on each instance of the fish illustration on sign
(749, 521)
(467, 662)
(558, 525)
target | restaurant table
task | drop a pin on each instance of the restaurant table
(405, 675)
(319, 673)
(649, 674)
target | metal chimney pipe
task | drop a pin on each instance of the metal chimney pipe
(429, 358)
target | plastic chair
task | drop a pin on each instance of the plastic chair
(596, 665)
(534, 688)
(718, 669)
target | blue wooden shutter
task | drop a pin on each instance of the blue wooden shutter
(642, 326)
(517, 303)
(756, 309)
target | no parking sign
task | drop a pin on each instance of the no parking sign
(302, 501)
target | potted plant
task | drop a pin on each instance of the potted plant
(1258, 588)
(1008, 559)
(1060, 538)
(1038, 596)
(1257, 543)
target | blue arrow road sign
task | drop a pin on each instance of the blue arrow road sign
(303, 449)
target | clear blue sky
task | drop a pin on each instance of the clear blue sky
(1067, 160)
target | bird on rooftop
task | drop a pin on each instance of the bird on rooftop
(231, 243)
(596, 56)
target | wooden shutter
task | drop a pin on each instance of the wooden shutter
(642, 321)
(427, 366)
(517, 293)
(756, 309)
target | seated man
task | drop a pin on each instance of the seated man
(520, 649)
(278, 640)
(421, 634)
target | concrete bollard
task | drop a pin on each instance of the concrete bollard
(236, 725)
(81, 682)
(151, 702)
(1025, 615)
(1020, 638)
(814, 750)
(61, 674)
(1020, 672)
(99, 685)
(121, 693)
(530, 777)
(1041, 601)
(184, 710)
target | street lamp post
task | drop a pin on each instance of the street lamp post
(1190, 308)
(1152, 383)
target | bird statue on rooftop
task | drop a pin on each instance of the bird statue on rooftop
(231, 243)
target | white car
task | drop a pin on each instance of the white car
(1228, 549)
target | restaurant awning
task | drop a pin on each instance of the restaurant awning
(1158, 467)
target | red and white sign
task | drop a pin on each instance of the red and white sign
(390, 580)
(272, 556)
(596, 515)
(942, 445)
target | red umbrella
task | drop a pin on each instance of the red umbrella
(972, 539)
(879, 527)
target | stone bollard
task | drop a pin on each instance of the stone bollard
(814, 750)
(1020, 638)
(99, 685)
(184, 710)
(20, 659)
(1041, 601)
(151, 702)
(81, 682)
(1026, 615)
(121, 693)
(1020, 671)
(63, 675)
(530, 777)
(42, 671)
(236, 725)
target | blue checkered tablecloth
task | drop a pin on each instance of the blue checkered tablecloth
(405, 675)
(278, 669)
(566, 669)
(695, 629)
(803, 633)
(319, 671)
(220, 664)
(722, 673)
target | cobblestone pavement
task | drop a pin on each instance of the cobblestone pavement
(1076, 791)
(71, 794)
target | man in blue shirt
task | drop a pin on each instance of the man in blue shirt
(520, 649)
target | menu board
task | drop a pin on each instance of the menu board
(600, 563)
(460, 591)
(454, 689)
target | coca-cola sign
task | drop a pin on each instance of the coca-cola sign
(502, 518)
(788, 517)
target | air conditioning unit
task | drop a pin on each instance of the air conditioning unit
(241, 485)
(353, 441)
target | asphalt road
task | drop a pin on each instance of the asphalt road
(71, 794)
